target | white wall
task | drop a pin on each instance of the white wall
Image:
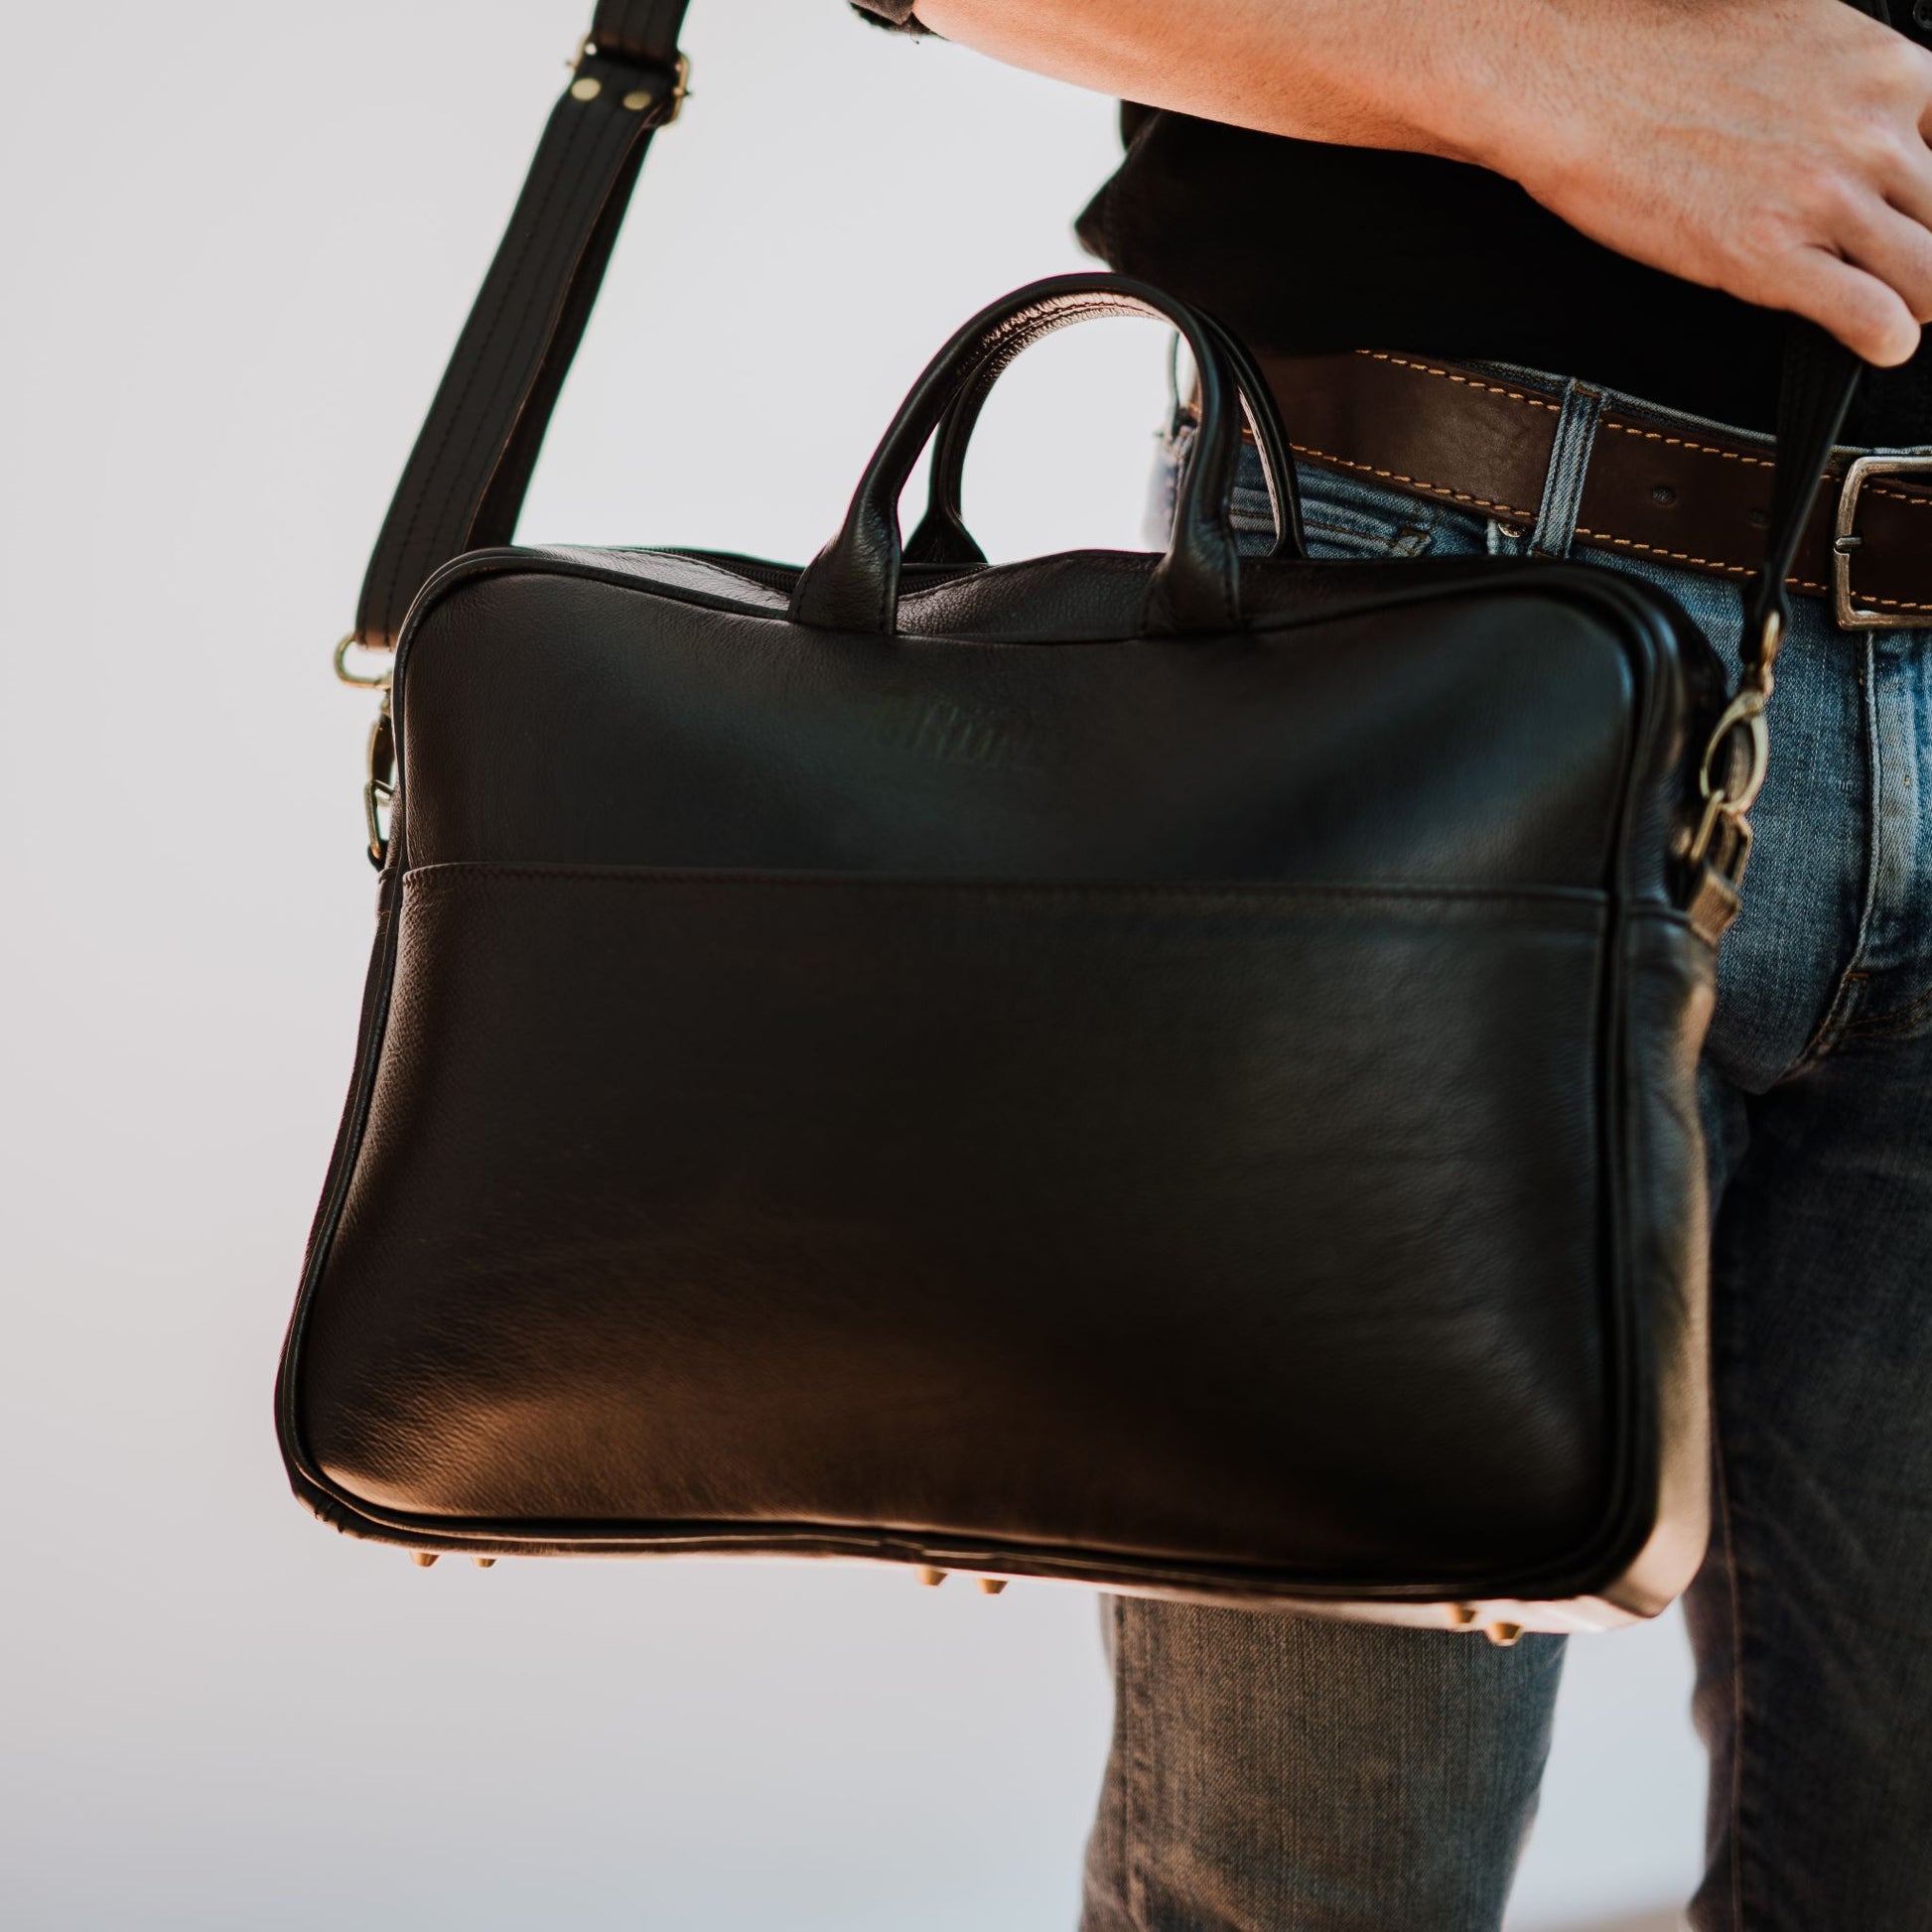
(239, 241)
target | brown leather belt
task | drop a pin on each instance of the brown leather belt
(1655, 486)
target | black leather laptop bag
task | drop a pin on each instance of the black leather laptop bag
(1171, 1071)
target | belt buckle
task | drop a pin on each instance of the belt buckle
(1845, 540)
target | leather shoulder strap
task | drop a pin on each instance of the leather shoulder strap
(1821, 376)
(463, 482)
(465, 477)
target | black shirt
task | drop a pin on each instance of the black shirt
(1306, 248)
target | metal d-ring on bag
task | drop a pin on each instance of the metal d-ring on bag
(1173, 1072)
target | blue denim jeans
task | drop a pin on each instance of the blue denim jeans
(1281, 1773)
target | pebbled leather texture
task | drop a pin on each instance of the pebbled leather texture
(1206, 1113)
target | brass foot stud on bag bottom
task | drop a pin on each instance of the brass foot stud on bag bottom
(483, 1562)
(930, 1576)
(993, 1585)
(422, 1559)
(1463, 1616)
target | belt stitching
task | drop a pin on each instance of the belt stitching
(1684, 443)
(1621, 429)
(1588, 535)
(1415, 483)
(1468, 381)
(1541, 402)
(1711, 563)
(1917, 501)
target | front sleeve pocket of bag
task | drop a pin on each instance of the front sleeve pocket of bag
(1170, 1219)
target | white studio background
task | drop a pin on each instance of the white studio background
(239, 241)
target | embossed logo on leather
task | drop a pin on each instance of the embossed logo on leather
(954, 734)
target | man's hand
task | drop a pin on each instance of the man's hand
(1776, 149)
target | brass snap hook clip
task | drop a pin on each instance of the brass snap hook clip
(360, 680)
(378, 785)
(1722, 805)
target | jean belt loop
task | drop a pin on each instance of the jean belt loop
(1562, 487)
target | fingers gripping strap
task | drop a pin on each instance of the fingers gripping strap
(463, 482)
(1820, 378)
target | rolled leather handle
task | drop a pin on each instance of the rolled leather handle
(943, 538)
(853, 583)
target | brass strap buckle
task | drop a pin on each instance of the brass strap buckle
(1846, 542)
(661, 105)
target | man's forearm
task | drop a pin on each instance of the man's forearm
(1362, 73)
(1772, 148)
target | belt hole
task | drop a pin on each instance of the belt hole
(1759, 518)
(1663, 496)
